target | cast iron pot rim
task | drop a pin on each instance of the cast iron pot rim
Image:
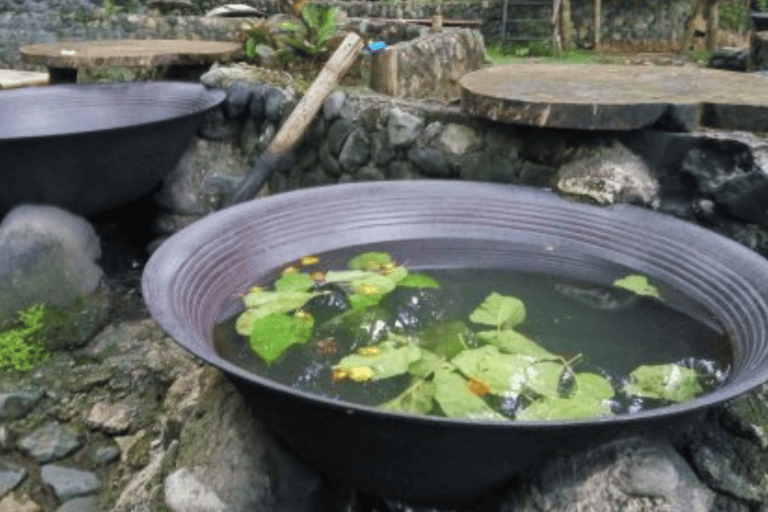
(188, 240)
(212, 98)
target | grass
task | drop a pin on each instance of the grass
(544, 53)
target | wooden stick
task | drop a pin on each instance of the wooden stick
(385, 73)
(294, 127)
(598, 16)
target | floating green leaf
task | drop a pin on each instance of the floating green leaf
(446, 339)
(289, 300)
(364, 300)
(373, 284)
(340, 276)
(419, 398)
(592, 385)
(504, 374)
(638, 284)
(563, 409)
(456, 400)
(419, 281)
(300, 282)
(512, 342)
(429, 363)
(543, 378)
(273, 334)
(386, 359)
(370, 261)
(664, 381)
(499, 310)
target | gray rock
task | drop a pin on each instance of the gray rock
(458, 139)
(745, 196)
(486, 166)
(383, 153)
(111, 418)
(48, 255)
(403, 128)
(104, 452)
(332, 105)
(338, 133)
(183, 191)
(51, 442)
(316, 133)
(69, 483)
(536, 175)
(225, 447)
(185, 493)
(266, 54)
(256, 106)
(431, 162)
(369, 173)
(712, 162)
(429, 135)
(85, 504)
(401, 171)
(16, 404)
(356, 150)
(238, 97)
(216, 126)
(307, 160)
(632, 474)
(716, 471)
(610, 175)
(315, 178)
(11, 475)
(273, 103)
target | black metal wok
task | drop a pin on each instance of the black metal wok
(89, 148)
(193, 280)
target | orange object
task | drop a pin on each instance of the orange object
(478, 387)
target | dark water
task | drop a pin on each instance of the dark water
(613, 329)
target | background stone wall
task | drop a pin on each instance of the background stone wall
(41, 21)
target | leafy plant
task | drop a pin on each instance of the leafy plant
(308, 37)
(23, 344)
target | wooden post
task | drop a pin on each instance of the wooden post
(566, 25)
(598, 28)
(713, 22)
(385, 73)
(504, 22)
(556, 39)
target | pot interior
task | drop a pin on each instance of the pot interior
(196, 278)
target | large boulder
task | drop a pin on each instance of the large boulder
(48, 255)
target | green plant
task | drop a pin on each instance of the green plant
(309, 37)
(23, 344)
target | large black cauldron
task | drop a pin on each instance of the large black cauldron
(89, 148)
(193, 281)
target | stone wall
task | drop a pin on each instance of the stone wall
(716, 179)
(41, 21)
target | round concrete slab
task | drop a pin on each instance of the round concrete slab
(602, 97)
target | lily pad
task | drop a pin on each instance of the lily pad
(337, 276)
(499, 310)
(418, 281)
(543, 378)
(457, 401)
(512, 342)
(638, 284)
(273, 334)
(428, 364)
(419, 398)
(300, 282)
(388, 360)
(664, 381)
(504, 374)
(370, 261)
(287, 300)
(563, 409)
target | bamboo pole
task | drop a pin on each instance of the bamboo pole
(556, 36)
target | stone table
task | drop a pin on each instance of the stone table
(162, 57)
(603, 97)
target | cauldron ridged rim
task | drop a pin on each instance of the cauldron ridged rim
(206, 100)
(181, 247)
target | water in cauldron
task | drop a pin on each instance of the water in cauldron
(613, 328)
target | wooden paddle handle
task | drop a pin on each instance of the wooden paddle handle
(293, 128)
